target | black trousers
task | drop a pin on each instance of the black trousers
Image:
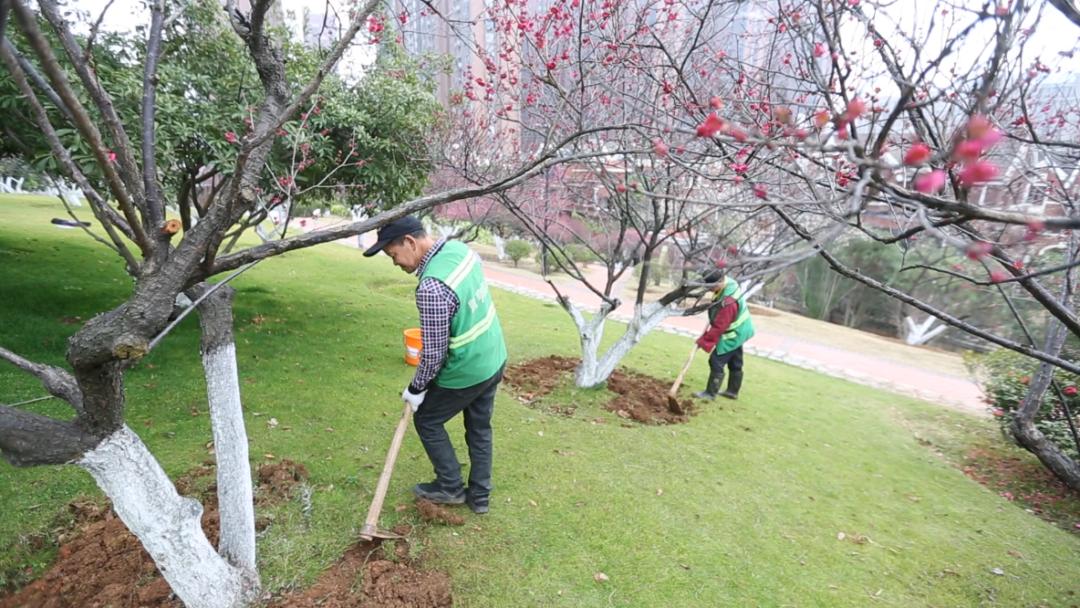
(733, 360)
(476, 403)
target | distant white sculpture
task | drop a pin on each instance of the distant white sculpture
(500, 247)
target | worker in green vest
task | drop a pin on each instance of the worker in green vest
(729, 328)
(461, 362)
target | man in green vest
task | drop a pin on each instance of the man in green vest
(461, 362)
(729, 327)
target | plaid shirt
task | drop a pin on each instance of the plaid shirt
(437, 304)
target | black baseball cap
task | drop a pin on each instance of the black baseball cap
(394, 230)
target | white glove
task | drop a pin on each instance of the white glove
(413, 399)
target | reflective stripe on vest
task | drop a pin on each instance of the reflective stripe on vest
(744, 313)
(454, 279)
(475, 331)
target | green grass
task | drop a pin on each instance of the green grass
(740, 507)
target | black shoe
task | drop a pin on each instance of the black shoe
(729, 395)
(706, 395)
(434, 492)
(478, 505)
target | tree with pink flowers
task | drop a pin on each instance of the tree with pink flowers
(790, 130)
(750, 134)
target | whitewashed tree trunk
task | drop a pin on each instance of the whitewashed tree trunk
(235, 497)
(500, 247)
(167, 524)
(596, 367)
(921, 333)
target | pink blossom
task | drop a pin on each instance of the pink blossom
(716, 103)
(855, 108)
(112, 156)
(968, 150)
(977, 250)
(930, 183)
(659, 147)
(231, 137)
(999, 276)
(713, 124)
(977, 173)
(819, 49)
(917, 154)
(760, 192)
(1034, 227)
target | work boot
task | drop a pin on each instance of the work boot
(733, 386)
(434, 492)
(712, 388)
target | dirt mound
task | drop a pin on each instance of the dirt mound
(638, 397)
(278, 479)
(430, 511)
(361, 579)
(645, 399)
(100, 564)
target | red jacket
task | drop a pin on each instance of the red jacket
(723, 319)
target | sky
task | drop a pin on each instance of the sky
(1055, 35)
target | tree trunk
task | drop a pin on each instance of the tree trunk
(1023, 425)
(596, 367)
(167, 524)
(235, 500)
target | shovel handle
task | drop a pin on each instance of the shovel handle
(372, 519)
(678, 381)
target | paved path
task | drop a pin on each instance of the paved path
(938, 377)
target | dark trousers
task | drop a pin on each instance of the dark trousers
(477, 403)
(733, 360)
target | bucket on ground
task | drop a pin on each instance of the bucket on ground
(413, 345)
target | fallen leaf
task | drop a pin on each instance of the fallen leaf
(533, 503)
(540, 433)
(272, 422)
(600, 577)
(840, 536)
(659, 491)
(997, 571)
(684, 566)
(269, 456)
(623, 414)
(1015, 554)
(400, 508)
(329, 429)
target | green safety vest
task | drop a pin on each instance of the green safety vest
(477, 349)
(741, 329)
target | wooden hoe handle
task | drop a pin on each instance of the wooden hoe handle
(372, 520)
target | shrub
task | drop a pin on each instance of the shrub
(518, 250)
(339, 210)
(1004, 377)
(579, 254)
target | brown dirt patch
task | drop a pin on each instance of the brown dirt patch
(277, 480)
(363, 579)
(100, 564)
(638, 397)
(645, 399)
(1022, 479)
(430, 511)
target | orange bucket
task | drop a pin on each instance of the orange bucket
(413, 346)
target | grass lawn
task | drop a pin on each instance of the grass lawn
(808, 491)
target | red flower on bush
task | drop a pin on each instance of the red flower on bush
(1070, 390)
(231, 137)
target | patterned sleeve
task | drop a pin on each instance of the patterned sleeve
(437, 304)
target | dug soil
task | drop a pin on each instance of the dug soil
(100, 564)
(637, 397)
